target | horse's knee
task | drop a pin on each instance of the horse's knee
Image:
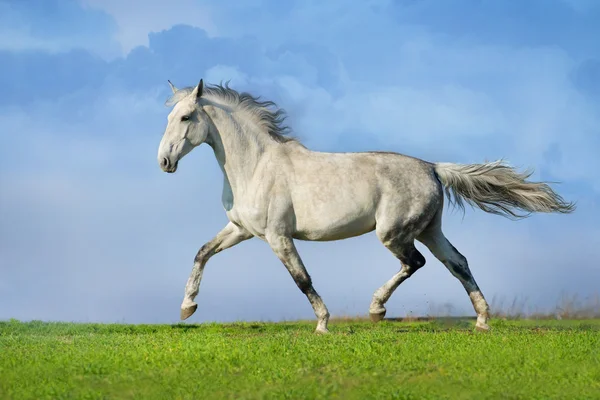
(203, 253)
(284, 248)
(303, 281)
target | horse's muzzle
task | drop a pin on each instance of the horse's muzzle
(167, 166)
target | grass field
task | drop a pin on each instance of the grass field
(359, 360)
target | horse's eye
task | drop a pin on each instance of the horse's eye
(185, 118)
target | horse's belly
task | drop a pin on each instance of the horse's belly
(333, 225)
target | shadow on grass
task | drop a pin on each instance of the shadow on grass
(185, 327)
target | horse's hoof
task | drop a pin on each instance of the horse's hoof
(376, 317)
(481, 327)
(188, 311)
(322, 331)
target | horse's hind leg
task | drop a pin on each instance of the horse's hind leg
(457, 264)
(401, 244)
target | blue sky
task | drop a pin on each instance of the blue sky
(92, 230)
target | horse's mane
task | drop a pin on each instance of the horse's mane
(270, 119)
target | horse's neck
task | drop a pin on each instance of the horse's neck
(237, 148)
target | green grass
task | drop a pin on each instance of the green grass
(359, 360)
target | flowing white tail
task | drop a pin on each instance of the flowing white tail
(497, 188)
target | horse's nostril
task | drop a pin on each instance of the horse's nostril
(164, 162)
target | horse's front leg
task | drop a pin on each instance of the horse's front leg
(284, 248)
(228, 237)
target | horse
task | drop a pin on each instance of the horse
(276, 189)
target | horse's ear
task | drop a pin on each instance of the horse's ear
(197, 92)
(200, 89)
(173, 88)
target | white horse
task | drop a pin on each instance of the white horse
(276, 189)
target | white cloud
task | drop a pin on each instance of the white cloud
(136, 18)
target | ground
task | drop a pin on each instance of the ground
(358, 360)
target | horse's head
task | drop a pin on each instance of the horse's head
(187, 127)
